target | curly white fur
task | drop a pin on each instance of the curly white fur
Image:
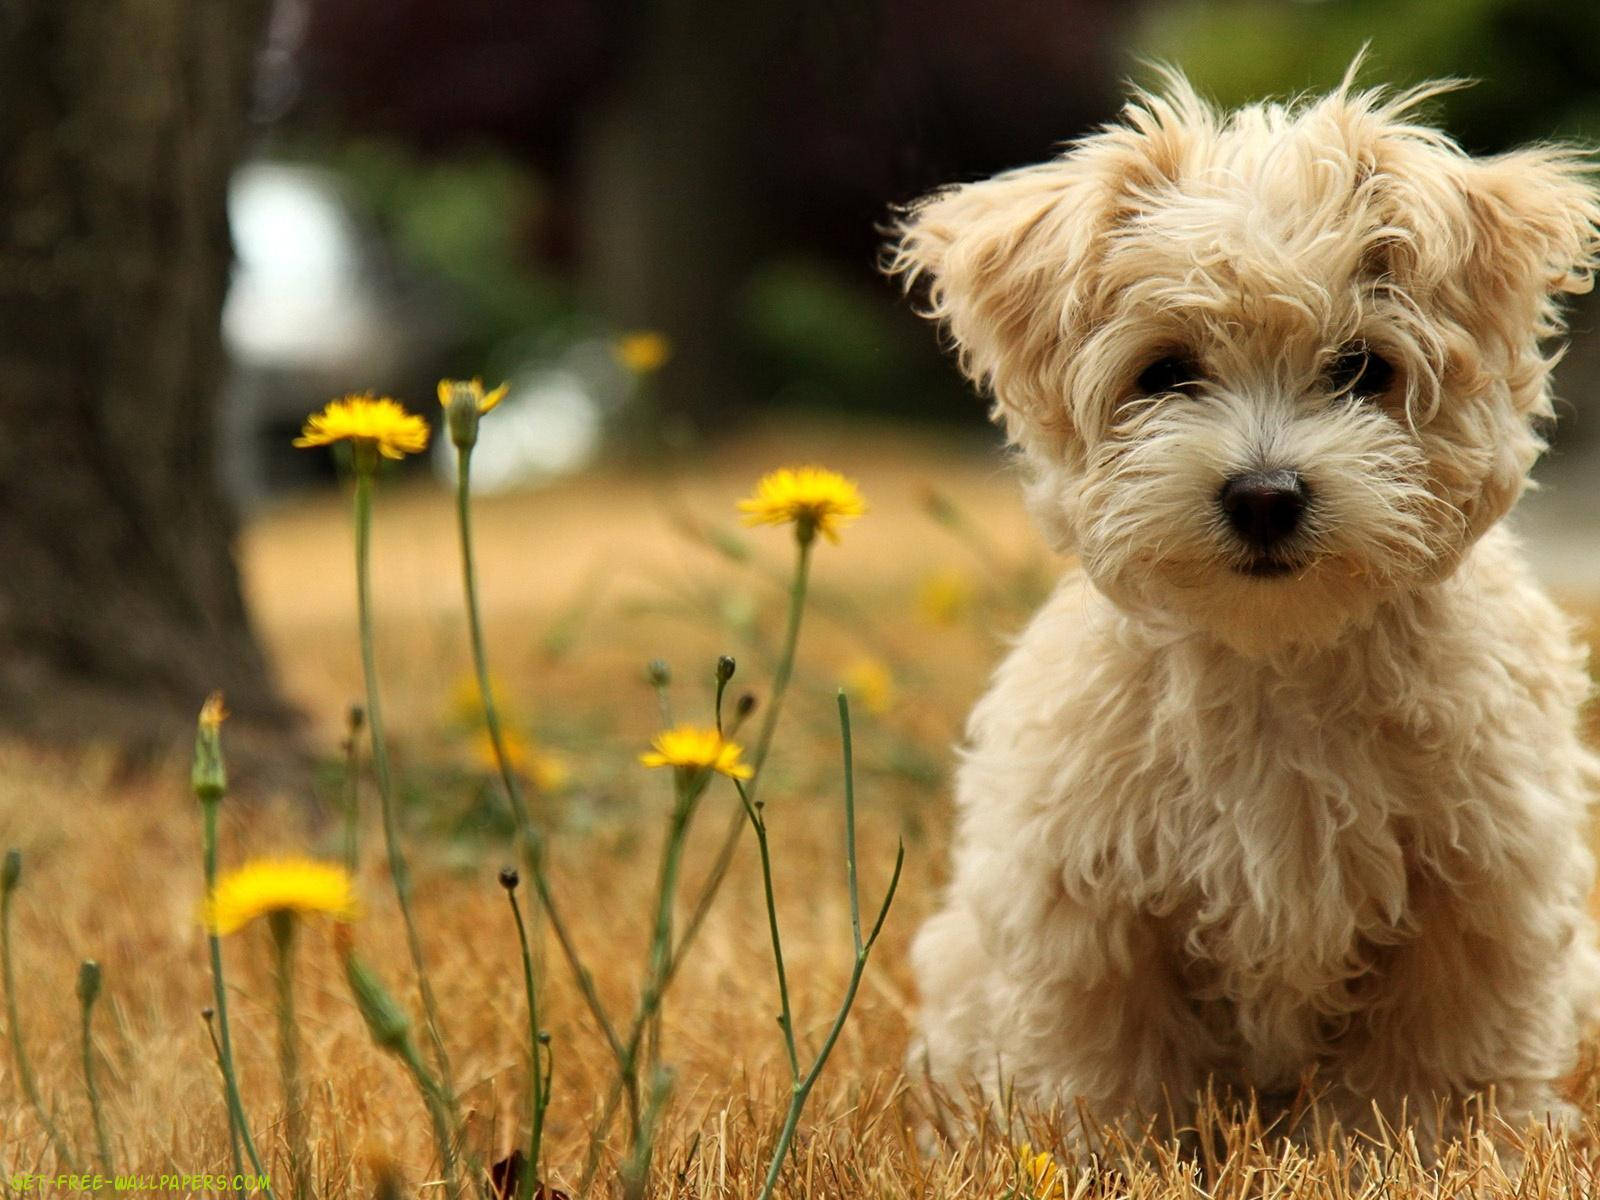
(1216, 826)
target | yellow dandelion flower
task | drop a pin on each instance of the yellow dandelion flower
(691, 748)
(813, 498)
(368, 420)
(1040, 1172)
(944, 597)
(547, 771)
(870, 682)
(472, 389)
(265, 886)
(643, 352)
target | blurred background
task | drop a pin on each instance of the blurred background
(658, 221)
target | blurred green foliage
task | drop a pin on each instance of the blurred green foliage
(1534, 61)
(829, 339)
(464, 220)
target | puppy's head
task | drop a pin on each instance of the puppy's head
(1268, 368)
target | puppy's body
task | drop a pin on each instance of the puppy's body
(1176, 862)
(1288, 777)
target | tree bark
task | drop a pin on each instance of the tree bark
(120, 605)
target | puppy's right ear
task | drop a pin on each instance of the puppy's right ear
(1000, 265)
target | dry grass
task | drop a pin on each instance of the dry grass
(584, 582)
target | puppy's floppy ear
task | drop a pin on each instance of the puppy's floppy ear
(1001, 262)
(1535, 216)
(1495, 243)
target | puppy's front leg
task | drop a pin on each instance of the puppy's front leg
(1488, 998)
(1037, 997)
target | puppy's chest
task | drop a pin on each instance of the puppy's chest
(1291, 855)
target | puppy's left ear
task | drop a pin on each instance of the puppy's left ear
(1535, 216)
(1531, 224)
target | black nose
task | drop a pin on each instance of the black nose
(1264, 507)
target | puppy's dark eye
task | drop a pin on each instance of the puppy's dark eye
(1359, 370)
(1173, 373)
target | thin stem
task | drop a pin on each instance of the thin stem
(352, 790)
(538, 1092)
(802, 1089)
(863, 949)
(399, 872)
(102, 1142)
(636, 1171)
(780, 679)
(433, 1097)
(390, 1029)
(709, 889)
(64, 1156)
(786, 1017)
(753, 811)
(662, 962)
(238, 1127)
(780, 685)
(747, 793)
(282, 924)
(689, 789)
(850, 818)
(527, 832)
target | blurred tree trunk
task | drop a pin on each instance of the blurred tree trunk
(120, 606)
(668, 222)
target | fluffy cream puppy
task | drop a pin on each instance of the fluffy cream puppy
(1286, 776)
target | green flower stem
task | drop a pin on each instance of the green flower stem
(352, 789)
(399, 872)
(389, 1026)
(433, 1096)
(636, 1171)
(539, 1091)
(645, 1030)
(88, 993)
(780, 685)
(801, 1089)
(805, 538)
(626, 1055)
(690, 786)
(238, 1127)
(65, 1159)
(847, 746)
(282, 925)
(528, 833)
(758, 822)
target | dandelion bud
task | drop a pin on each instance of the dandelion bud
(11, 873)
(658, 673)
(509, 878)
(461, 413)
(207, 1014)
(745, 706)
(88, 982)
(464, 401)
(725, 668)
(385, 1019)
(209, 776)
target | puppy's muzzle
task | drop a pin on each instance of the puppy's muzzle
(1264, 507)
